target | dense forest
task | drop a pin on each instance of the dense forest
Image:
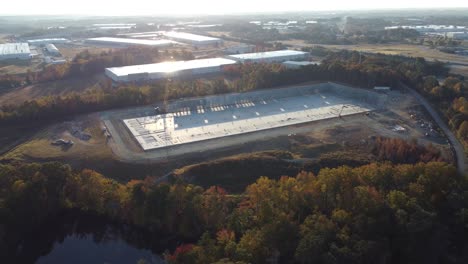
(450, 97)
(378, 213)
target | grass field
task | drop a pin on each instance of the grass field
(459, 69)
(61, 87)
(392, 49)
(69, 51)
(20, 67)
(40, 147)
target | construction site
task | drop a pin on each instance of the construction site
(186, 123)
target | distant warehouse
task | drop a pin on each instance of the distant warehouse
(15, 51)
(244, 48)
(51, 49)
(458, 35)
(170, 69)
(270, 56)
(125, 42)
(196, 40)
(299, 64)
(38, 42)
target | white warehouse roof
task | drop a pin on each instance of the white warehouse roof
(297, 64)
(268, 55)
(52, 48)
(189, 37)
(14, 49)
(302, 63)
(166, 67)
(48, 40)
(145, 42)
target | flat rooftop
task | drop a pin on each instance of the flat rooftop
(302, 63)
(141, 33)
(146, 42)
(114, 25)
(49, 40)
(189, 36)
(170, 66)
(14, 48)
(145, 36)
(208, 121)
(268, 54)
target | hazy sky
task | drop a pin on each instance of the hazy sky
(145, 7)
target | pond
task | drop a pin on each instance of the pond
(84, 249)
(76, 238)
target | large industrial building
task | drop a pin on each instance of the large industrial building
(196, 40)
(458, 35)
(270, 56)
(125, 42)
(15, 51)
(51, 49)
(38, 42)
(211, 117)
(168, 69)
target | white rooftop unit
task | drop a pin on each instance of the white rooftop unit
(130, 42)
(270, 56)
(47, 41)
(298, 64)
(156, 71)
(192, 38)
(52, 49)
(18, 51)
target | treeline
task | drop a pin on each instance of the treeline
(252, 33)
(325, 34)
(400, 151)
(378, 213)
(450, 97)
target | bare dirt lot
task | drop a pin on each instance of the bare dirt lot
(20, 67)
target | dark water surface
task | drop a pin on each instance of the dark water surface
(76, 238)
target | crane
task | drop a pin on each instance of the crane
(339, 115)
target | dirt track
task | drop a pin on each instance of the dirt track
(458, 148)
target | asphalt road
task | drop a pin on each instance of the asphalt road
(457, 146)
